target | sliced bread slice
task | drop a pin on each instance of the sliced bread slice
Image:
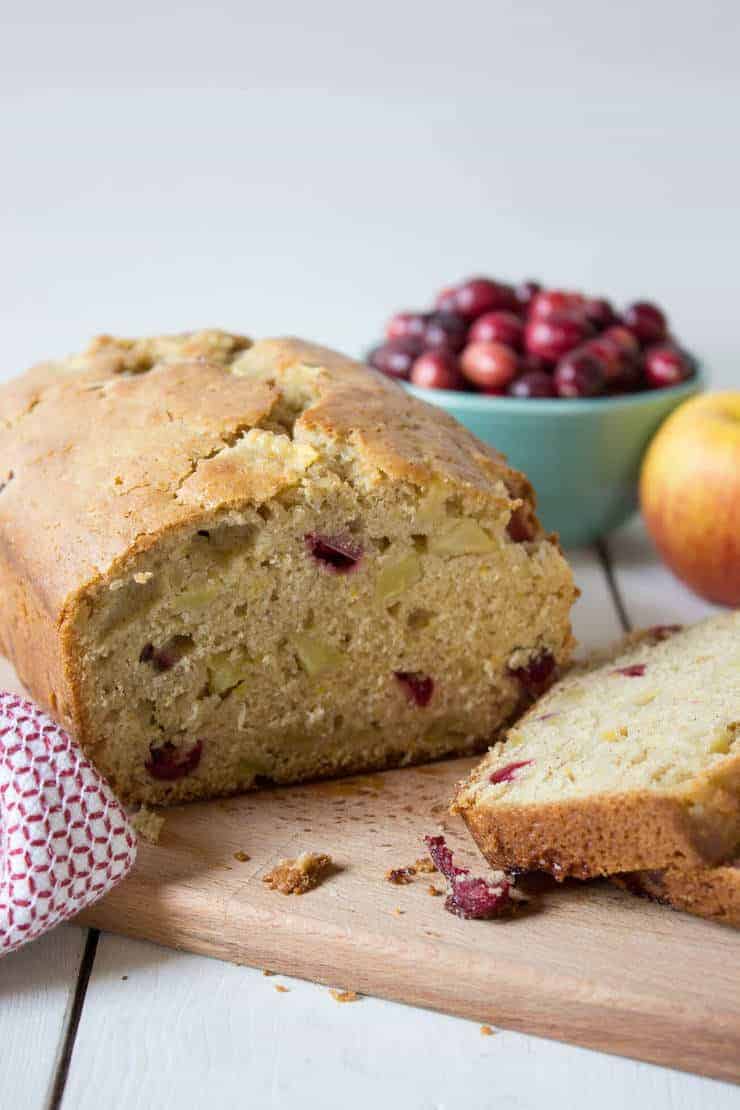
(711, 892)
(630, 763)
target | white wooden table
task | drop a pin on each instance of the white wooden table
(91, 1020)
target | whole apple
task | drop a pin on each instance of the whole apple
(690, 495)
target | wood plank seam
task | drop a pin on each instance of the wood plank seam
(602, 550)
(69, 1033)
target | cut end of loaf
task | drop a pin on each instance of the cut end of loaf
(315, 634)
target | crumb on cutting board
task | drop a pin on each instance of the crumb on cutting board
(487, 1031)
(434, 890)
(344, 996)
(241, 857)
(281, 989)
(298, 876)
(268, 973)
(400, 876)
(148, 824)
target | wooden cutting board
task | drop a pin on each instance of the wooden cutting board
(584, 963)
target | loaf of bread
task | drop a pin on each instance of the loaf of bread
(711, 892)
(224, 563)
(627, 764)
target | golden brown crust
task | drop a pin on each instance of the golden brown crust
(596, 836)
(711, 892)
(389, 429)
(105, 453)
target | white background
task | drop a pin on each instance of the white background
(309, 166)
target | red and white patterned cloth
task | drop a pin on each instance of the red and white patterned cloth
(65, 841)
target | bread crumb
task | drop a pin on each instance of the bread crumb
(433, 890)
(345, 996)
(298, 876)
(283, 990)
(266, 972)
(398, 911)
(400, 876)
(241, 857)
(487, 1031)
(148, 824)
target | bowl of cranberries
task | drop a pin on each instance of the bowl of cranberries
(570, 389)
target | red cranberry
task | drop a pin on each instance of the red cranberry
(436, 370)
(339, 554)
(168, 763)
(525, 293)
(507, 773)
(599, 312)
(396, 357)
(446, 300)
(406, 325)
(489, 365)
(624, 339)
(479, 899)
(498, 327)
(665, 366)
(554, 302)
(469, 897)
(538, 674)
(634, 670)
(553, 336)
(661, 632)
(164, 658)
(520, 526)
(646, 321)
(534, 384)
(579, 374)
(419, 687)
(613, 360)
(442, 857)
(528, 362)
(478, 295)
(445, 331)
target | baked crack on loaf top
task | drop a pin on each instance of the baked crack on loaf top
(224, 562)
(626, 764)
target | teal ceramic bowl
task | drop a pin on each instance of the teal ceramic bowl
(582, 457)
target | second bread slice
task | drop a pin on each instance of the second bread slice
(711, 892)
(628, 765)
